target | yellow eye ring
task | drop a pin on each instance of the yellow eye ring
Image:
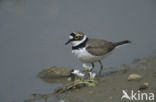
(76, 37)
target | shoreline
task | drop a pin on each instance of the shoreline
(110, 87)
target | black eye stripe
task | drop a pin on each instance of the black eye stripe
(74, 37)
(72, 34)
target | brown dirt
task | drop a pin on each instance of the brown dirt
(109, 88)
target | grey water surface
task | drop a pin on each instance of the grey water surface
(33, 33)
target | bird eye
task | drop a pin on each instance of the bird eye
(76, 37)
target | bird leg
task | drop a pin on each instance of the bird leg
(92, 67)
(101, 68)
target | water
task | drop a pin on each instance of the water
(33, 33)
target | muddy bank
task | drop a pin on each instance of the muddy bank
(138, 77)
(109, 88)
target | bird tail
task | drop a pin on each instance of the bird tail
(122, 42)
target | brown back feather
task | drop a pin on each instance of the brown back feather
(99, 47)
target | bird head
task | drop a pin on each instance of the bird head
(76, 38)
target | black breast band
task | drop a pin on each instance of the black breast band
(83, 44)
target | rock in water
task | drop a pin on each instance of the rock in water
(55, 74)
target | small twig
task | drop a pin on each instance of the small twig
(73, 85)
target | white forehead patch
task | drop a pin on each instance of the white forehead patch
(70, 37)
(77, 33)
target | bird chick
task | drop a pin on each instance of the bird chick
(78, 74)
(92, 75)
(87, 68)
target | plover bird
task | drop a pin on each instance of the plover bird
(78, 73)
(89, 50)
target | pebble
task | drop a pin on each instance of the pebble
(144, 86)
(134, 77)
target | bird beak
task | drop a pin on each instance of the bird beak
(68, 42)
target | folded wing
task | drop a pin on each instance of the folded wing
(99, 47)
